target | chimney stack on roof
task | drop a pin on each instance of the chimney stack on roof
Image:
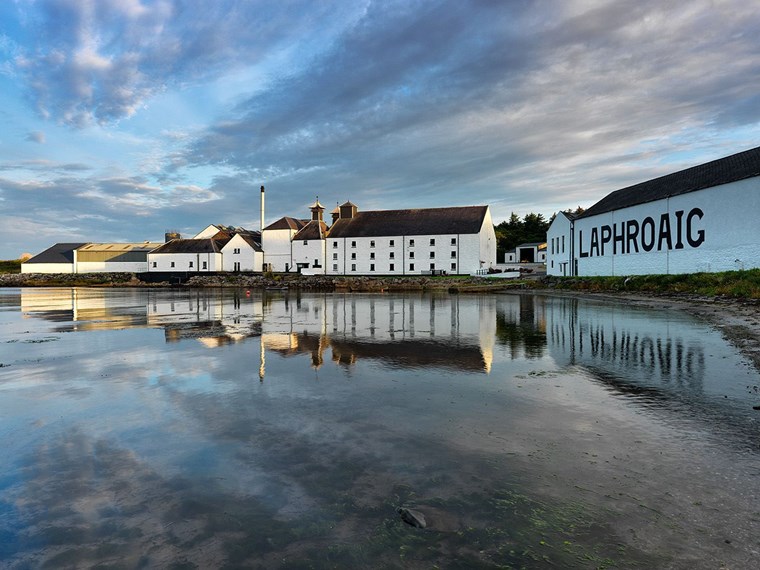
(262, 209)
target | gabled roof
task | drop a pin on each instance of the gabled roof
(251, 239)
(209, 245)
(313, 230)
(287, 223)
(59, 253)
(722, 171)
(427, 221)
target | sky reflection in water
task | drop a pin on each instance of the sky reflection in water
(212, 428)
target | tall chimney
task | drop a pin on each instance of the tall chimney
(262, 210)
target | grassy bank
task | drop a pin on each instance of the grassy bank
(737, 284)
(10, 266)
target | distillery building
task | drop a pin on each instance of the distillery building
(702, 219)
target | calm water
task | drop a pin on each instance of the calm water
(216, 429)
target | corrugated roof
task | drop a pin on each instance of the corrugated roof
(427, 221)
(59, 253)
(192, 246)
(138, 246)
(287, 223)
(732, 168)
(313, 230)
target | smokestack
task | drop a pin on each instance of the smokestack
(262, 210)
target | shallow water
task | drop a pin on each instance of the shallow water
(223, 429)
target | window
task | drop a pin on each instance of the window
(552, 248)
(316, 263)
(335, 267)
(155, 264)
(432, 255)
(335, 256)
(306, 242)
(353, 244)
(453, 241)
(372, 255)
(171, 264)
(411, 255)
(371, 266)
(392, 243)
(372, 243)
(392, 255)
(453, 255)
(432, 266)
(453, 266)
(392, 267)
(411, 243)
(204, 265)
(563, 244)
(353, 256)
(353, 267)
(432, 241)
(335, 245)
(411, 267)
(191, 265)
(236, 250)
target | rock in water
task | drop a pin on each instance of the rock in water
(412, 517)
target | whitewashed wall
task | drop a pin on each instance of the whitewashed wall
(47, 268)
(277, 249)
(111, 266)
(409, 255)
(249, 259)
(163, 262)
(312, 252)
(719, 231)
(558, 251)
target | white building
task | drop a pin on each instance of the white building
(189, 255)
(527, 253)
(277, 243)
(404, 242)
(703, 218)
(91, 258)
(243, 253)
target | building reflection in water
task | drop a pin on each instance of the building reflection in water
(406, 331)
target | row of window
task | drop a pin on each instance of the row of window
(391, 243)
(392, 256)
(391, 267)
(171, 264)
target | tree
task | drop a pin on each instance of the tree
(513, 232)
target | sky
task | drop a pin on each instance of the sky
(122, 119)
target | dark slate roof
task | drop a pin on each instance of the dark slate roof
(59, 253)
(722, 171)
(312, 230)
(287, 223)
(192, 246)
(253, 240)
(428, 221)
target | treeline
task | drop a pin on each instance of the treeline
(530, 229)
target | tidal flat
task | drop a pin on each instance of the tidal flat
(232, 428)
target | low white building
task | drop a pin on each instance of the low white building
(91, 258)
(527, 253)
(189, 255)
(703, 218)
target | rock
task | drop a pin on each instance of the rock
(412, 517)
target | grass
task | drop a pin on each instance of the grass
(736, 284)
(10, 266)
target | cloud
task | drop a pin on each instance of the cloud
(99, 61)
(36, 136)
(442, 96)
